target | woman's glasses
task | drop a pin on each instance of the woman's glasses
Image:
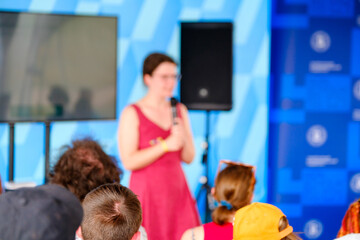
(164, 77)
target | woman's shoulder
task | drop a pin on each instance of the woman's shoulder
(130, 112)
(133, 106)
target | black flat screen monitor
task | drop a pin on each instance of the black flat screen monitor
(57, 67)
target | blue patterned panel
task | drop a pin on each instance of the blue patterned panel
(328, 93)
(332, 9)
(353, 154)
(145, 26)
(315, 112)
(355, 56)
(319, 186)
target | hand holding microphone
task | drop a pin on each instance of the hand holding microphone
(177, 136)
(173, 103)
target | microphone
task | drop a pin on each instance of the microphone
(173, 102)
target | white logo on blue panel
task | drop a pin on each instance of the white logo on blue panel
(320, 41)
(313, 229)
(356, 90)
(355, 183)
(316, 135)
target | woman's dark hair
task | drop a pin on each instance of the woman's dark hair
(153, 60)
(235, 185)
(83, 167)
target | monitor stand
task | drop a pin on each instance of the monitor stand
(11, 151)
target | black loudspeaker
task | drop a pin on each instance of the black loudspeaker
(206, 65)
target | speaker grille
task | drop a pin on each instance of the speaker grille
(206, 65)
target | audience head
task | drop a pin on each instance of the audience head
(234, 186)
(262, 221)
(111, 212)
(48, 212)
(153, 60)
(83, 167)
(351, 220)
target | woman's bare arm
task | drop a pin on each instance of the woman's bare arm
(128, 140)
(188, 151)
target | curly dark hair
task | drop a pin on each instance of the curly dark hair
(83, 167)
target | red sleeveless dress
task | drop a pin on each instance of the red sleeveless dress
(167, 205)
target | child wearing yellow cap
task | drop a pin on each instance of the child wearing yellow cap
(262, 221)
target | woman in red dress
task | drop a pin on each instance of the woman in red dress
(152, 145)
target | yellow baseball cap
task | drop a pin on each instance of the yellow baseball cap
(259, 221)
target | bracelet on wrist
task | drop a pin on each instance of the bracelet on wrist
(163, 144)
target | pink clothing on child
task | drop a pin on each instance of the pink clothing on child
(213, 231)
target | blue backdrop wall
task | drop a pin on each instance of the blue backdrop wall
(314, 112)
(153, 25)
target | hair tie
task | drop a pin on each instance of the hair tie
(223, 203)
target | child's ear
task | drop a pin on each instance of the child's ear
(213, 191)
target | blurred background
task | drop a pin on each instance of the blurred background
(295, 98)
